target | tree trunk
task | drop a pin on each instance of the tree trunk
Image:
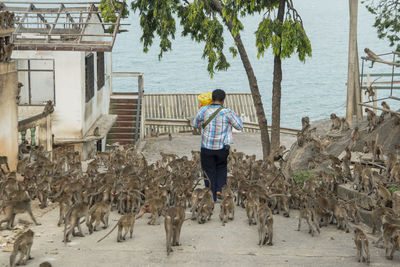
(276, 89)
(262, 120)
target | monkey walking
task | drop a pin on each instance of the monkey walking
(227, 209)
(22, 245)
(265, 224)
(173, 221)
(361, 241)
(100, 212)
(126, 222)
(72, 217)
(14, 207)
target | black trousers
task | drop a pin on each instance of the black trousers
(214, 164)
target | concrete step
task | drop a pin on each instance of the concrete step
(122, 130)
(130, 124)
(116, 106)
(121, 135)
(129, 118)
(123, 111)
(123, 101)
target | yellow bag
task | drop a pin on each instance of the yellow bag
(205, 99)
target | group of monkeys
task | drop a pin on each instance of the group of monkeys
(321, 206)
(6, 47)
(124, 181)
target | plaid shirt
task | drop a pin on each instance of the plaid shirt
(219, 131)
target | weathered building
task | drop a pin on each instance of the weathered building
(63, 54)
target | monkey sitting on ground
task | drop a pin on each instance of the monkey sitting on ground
(361, 241)
(126, 222)
(173, 221)
(77, 211)
(345, 125)
(336, 122)
(205, 209)
(22, 245)
(265, 225)
(227, 209)
(14, 207)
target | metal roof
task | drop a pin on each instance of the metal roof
(64, 26)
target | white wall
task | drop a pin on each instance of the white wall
(67, 117)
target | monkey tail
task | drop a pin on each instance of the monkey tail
(108, 232)
(207, 178)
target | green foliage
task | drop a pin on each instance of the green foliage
(204, 23)
(394, 188)
(301, 176)
(387, 19)
(109, 10)
(284, 38)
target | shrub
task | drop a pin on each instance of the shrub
(301, 176)
(394, 188)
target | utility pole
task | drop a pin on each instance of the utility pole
(353, 73)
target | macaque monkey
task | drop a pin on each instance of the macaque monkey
(309, 215)
(173, 221)
(265, 225)
(390, 235)
(14, 207)
(377, 215)
(372, 119)
(340, 214)
(385, 106)
(169, 136)
(194, 200)
(155, 206)
(361, 241)
(251, 210)
(205, 209)
(45, 264)
(98, 213)
(22, 245)
(367, 182)
(8, 49)
(126, 222)
(77, 211)
(390, 162)
(305, 123)
(96, 131)
(227, 209)
(370, 91)
(355, 135)
(345, 125)
(4, 161)
(336, 122)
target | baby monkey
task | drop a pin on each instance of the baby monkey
(361, 241)
(22, 245)
(173, 221)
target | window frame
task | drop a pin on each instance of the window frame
(89, 79)
(29, 70)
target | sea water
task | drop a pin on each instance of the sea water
(315, 88)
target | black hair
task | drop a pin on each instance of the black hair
(218, 95)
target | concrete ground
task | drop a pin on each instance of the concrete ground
(209, 244)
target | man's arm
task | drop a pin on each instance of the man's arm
(199, 119)
(235, 121)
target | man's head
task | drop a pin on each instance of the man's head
(218, 95)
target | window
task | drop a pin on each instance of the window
(37, 77)
(100, 70)
(89, 77)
